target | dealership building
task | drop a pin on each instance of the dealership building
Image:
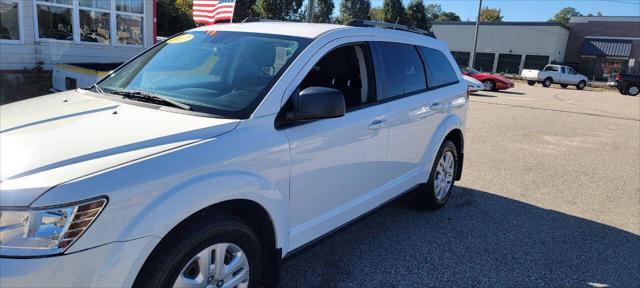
(505, 47)
(51, 32)
(596, 46)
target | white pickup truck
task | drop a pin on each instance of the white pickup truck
(563, 75)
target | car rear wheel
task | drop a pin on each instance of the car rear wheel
(489, 85)
(633, 90)
(531, 83)
(214, 250)
(581, 85)
(622, 91)
(441, 180)
(547, 82)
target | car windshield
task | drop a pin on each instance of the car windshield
(216, 72)
(469, 70)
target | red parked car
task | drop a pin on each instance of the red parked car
(491, 82)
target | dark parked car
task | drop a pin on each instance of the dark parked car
(628, 84)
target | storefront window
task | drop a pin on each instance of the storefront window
(99, 4)
(65, 2)
(9, 20)
(129, 30)
(130, 6)
(54, 22)
(94, 26)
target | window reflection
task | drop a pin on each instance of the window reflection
(129, 30)
(54, 22)
(94, 26)
(9, 21)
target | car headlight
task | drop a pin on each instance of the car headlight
(45, 231)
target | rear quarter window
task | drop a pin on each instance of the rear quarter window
(440, 70)
(403, 69)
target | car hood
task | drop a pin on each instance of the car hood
(52, 139)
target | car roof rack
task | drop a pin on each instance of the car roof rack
(385, 25)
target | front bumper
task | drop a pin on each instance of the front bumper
(111, 265)
(503, 86)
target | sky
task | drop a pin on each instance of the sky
(532, 10)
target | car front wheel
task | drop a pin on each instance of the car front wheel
(581, 85)
(441, 180)
(489, 85)
(633, 90)
(214, 250)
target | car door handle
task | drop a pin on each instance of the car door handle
(436, 106)
(378, 124)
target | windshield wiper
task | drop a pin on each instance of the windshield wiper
(139, 94)
(97, 88)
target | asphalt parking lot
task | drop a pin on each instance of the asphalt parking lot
(550, 197)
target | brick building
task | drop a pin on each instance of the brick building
(601, 45)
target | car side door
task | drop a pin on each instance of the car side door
(337, 164)
(413, 113)
(564, 77)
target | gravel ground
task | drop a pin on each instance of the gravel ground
(550, 197)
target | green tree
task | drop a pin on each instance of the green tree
(490, 15)
(278, 9)
(244, 9)
(393, 11)
(564, 15)
(376, 14)
(322, 11)
(174, 16)
(354, 9)
(448, 16)
(416, 12)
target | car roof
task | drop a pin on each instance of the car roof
(305, 30)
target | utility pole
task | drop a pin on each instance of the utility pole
(475, 37)
(310, 11)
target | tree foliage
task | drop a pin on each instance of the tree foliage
(393, 11)
(376, 14)
(244, 9)
(448, 16)
(416, 12)
(278, 9)
(490, 15)
(174, 16)
(564, 15)
(322, 11)
(354, 9)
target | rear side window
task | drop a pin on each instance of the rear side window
(551, 68)
(403, 69)
(440, 70)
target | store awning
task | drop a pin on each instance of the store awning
(606, 47)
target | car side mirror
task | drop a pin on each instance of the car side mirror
(315, 103)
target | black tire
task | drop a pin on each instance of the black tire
(547, 82)
(176, 249)
(622, 91)
(531, 83)
(632, 90)
(564, 85)
(581, 85)
(490, 85)
(428, 192)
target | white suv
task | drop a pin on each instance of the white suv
(208, 158)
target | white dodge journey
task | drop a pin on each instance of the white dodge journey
(210, 157)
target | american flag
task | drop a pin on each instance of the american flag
(212, 11)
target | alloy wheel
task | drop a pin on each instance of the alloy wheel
(633, 90)
(223, 265)
(444, 175)
(488, 85)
